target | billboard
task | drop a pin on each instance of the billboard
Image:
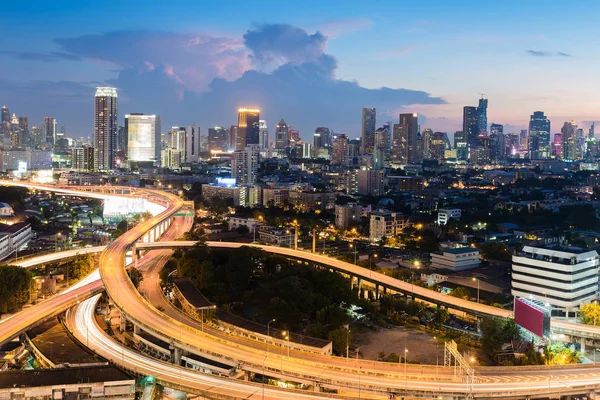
(533, 316)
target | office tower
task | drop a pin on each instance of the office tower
(557, 146)
(217, 139)
(122, 143)
(248, 128)
(569, 144)
(244, 165)
(282, 135)
(497, 143)
(524, 140)
(471, 125)
(511, 143)
(437, 146)
(264, 134)
(340, 150)
(405, 142)
(383, 140)
(232, 137)
(482, 115)
(49, 131)
(170, 159)
(5, 115)
(83, 158)
(143, 138)
(461, 145)
(322, 137)
(426, 136)
(294, 135)
(539, 136)
(579, 143)
(591, 130)
(193, 142)
(176, 138)
(307, 150)
(368, 130)
(24, 123)
(105, 128)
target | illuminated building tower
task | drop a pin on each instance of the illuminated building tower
(193, 144)
(294, 135)
(437, 145)
(217, 139)
(49, 131)
(405, 142)
(282, 136)
(368, 130)
(569, 143)
(557, 145)
(383, 141)
(539, 136)
(143, 138)
(497, 142)
(232, 137)
(105, 128)
(482, 115)
(340, 150)
(461, 145)
(244, 165)
(248, 128)
(264, 134)
(471, 125)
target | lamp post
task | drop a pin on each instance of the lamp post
(437, 356)
(58, 234)
(359, 372)
(268, 334)
(355, 249)
(371, 261)
(417, 265)
(263, 377)
(348, 343)
(405, 372)
(476, 279)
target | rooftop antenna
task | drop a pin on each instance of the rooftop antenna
(482, 95)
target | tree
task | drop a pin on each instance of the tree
(81, 266)
(339, 338)
(15, 286)
(494, 333)
(590, 313)
(495, 251)
(136, 276)
(461, 293)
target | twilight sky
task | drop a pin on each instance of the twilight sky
(313, 63)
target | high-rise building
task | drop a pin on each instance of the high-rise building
(471, 125)
(282, 135)
(23, 123)
(170, 159)
(83, 158)
(557, 146)
(340, 150)
(370, 181)
(217, 139)
(294, 135)
(437, 146)
(176, 138)
(143, 138)
(322, 138)
(569, 144)
(497, 142)
(405, 143)
(383, 140)
(244, 165)
(264, 134)
(105, 128)
(5, 115)
(539, 136)
(248, 128)
(368, 130)
(193, 143)
(524, 140)
(232, 137)
(461, 145)
(49, 131)
(482, 115)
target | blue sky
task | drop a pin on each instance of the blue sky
(312, 63)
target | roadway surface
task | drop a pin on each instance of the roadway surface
(112, 269)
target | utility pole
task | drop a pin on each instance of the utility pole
(314, 247)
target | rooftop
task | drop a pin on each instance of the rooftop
(192, 295)
(460, 250)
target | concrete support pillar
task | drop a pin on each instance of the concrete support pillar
(384, 290)
(592, 395)
(582, 344)
(246, 376)
(376, 292)
(136, 329)
(134, 254)
(123, 324)
(478, 324)
(314, 248)
(176, 354)
(317, 387)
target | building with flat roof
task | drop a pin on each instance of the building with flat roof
(347, 215)
(564, 277)
(385, 223)
(445, 214)
(456, 259)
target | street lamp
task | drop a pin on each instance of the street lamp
(268, 334)
(355, 249)
(437, 356)
(417, 265)
(56, 241)
(405, 372)
(475, 279)
(371, 261)
(348, 342)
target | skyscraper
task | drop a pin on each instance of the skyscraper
(405, 143)
(282, 135)
(244, 165)
(569, 144)
(264, 134)
(176, 139)
(471, 125)
(539, 136)
(482, 115)
(217, 139)
(49, 131)
(368, 130)
(192, 144)
(105, 128)
(248, 128)
(143, 138)
(497, 142)
(232, 137)
(437, 146)
(383, 140)
(461, 145)
(5, 115)
(340, 150)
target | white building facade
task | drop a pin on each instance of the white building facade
(445, 214)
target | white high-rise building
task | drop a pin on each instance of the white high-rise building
(106, 125)
(563, 277)
(263, 134)
(192, 144)
(244, 165)
(143, 138)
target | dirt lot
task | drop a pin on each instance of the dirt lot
(420, 345)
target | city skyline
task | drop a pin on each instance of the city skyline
(526, 66)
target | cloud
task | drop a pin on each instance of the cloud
(547, 53)
(195, 59)
(339, 27)
(45, 57)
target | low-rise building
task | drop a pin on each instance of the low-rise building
(386, 223)
(6, 210)
(279, 237)
(347, 215)
(250, 223)
(564, 277)
(445, 214)
(224, 190)
(307, 201)
(456, 259)
(405, 183)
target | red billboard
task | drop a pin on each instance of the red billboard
(535, 319)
